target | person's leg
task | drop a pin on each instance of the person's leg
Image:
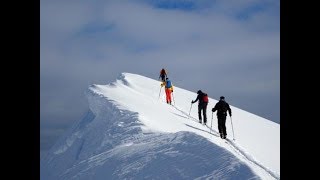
(205, 114)
(220, 124)
(169, 94)
(199, 114)
(224, 130)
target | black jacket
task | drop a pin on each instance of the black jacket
(222, 107)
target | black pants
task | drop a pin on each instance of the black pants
(222, 124)
(203, 108)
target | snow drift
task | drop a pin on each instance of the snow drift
(131, 133)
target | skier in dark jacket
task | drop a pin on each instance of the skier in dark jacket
(163, 74)
(202, 106)
(222, 107)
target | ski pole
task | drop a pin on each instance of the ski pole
(190, 111)
(160, 91)
(232, 129)
(173, 98)
(211, 122)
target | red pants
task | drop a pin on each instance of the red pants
(168, 95)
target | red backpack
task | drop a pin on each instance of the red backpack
(205, 98)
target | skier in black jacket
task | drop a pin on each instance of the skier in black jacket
(202, 106)
(222, 107)
(163, 74)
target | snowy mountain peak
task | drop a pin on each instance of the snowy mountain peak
(130, 132)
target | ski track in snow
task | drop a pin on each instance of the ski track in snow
(234, 146)
(236, 149)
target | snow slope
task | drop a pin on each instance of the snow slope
(131, 133)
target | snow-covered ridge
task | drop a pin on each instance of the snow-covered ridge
(129, 132)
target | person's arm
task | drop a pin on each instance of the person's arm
(215, 108)
(196, 99)
(229, 110)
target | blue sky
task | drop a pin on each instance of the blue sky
(229, 48)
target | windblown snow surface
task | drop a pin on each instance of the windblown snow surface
(130, 132)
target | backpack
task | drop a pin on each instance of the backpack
(205, 98)
(223, 107)
(168, 84)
